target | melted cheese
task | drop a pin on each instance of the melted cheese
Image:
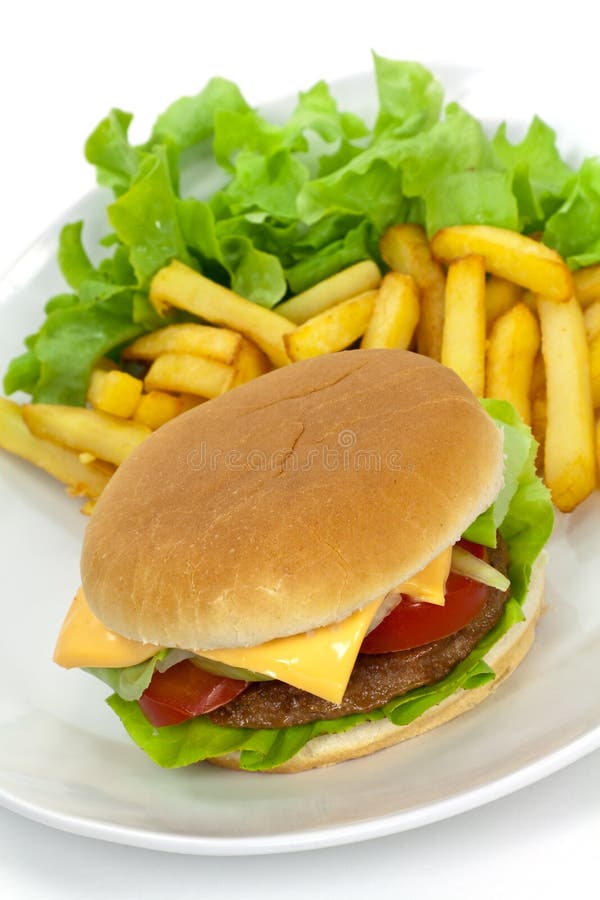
(430, 583)
(85, 641)
(318, 661)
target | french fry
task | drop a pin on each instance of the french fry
(405, 249)
(587, 284)
(539, 423)
(250, 363)
(463, 345)
(569, 456)
(83, 480)
(156, 408)
(107, 437)
(538, 376)
(350, 282)
(189, 401)
(539, 408)
(179, 286)
(513, 344)
(332, 330)
(530, 300)
(500, 295)
(181, 372)
(106, 364)
(591, 318)
(395, 315)
(594, 351)
(221, 344)
(114, 392)
(510, 255)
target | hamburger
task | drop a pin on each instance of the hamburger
(332, 558)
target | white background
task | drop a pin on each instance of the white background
(62, 66)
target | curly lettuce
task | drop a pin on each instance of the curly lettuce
(269, 208)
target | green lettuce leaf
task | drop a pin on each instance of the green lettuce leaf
(145, 219)
(574, 229)
(410, 98)
(376, 193)
(23, 373)
(539, 173)
(130, 682)
(317, 111)
(354, 246)
(256, 275)
(517, 449)
(191, 120)
(523, 512)
(72, 340)
(479, 197)
(266, 184)
(108, 149)
(73, 260)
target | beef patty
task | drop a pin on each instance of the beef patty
(375, 679)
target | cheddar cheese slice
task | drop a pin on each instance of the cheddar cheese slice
(85, 641)
(430, 583)
(318, 661)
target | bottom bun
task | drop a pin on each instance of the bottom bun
(503, 658)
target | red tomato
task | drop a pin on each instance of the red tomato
(184, 691)
(413, 623)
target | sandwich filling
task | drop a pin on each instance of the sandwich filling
(376, 677)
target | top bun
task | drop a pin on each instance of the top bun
(290, 502)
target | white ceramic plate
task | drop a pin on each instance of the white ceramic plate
(64, 758)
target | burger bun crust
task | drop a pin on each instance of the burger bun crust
(290, 502)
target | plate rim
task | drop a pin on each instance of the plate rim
(313, 838)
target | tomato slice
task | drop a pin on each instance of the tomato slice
(185, 691)
(413, 623)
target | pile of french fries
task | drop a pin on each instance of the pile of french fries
(501, 309)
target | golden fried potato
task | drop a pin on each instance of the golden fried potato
(513, 345)
(83, 480)
(594, 351)
(179, 286)
(189, 401)
(332, 330)
(184, 373)
(569, 455)
(395, 315)
(510, 255)
(587, 284)
(250, 363)
(591, 318)
(221, 344)
(156, 408)
(356, 279)
(500, 295)
(463, 345)
(405, 249)
(101, 434)
(114, 392)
